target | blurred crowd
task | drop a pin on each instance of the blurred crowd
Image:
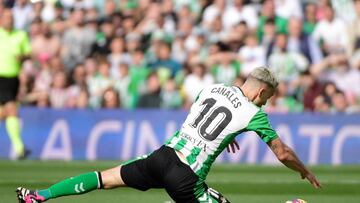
(161, 53)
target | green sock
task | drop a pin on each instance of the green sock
(13, 129)
(73, 186)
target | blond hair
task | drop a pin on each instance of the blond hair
(264, 75)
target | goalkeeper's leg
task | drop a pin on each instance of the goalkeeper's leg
(74, 186)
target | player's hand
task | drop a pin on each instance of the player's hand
(312, 179)
(233, 146)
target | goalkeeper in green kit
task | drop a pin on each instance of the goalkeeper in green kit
(181, 165)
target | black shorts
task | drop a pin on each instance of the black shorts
(163, 169)
(8, 89)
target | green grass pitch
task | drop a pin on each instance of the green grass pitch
(239, 183)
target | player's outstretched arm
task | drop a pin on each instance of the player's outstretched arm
(288, 157)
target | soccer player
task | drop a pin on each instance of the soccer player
(180, 166)
(14, 46)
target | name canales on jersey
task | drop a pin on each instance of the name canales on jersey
(229, 94)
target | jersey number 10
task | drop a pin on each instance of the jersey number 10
(210, 116)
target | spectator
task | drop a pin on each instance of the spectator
(235, 37)
(193, 7)
(152, 98)
(58, 27)
(139, 72)
(82, 101)
(215, 31)
(238, 12)
(322, 103)
(117, 55)
(335, 41)
(300, 42)
(121, 85)
(321, 7)
(21, 10)
(110, 99)
(98, 83)
(269, 33)
(196, 43)
(56, 64)
(185, 27)
(307, 89)
(58, 93)
(195, 82)
(339, 103)
(103, 38)
(337, 70)
(77, 40)
(43, 78)
(109, 8)
(36, 11)
(184, 12)
(212, 11)
(35, 28)
(164, 65)
(170, 95)
(78, 84)
(42, 100)
(128, 25)
(152, 22)
(179, 52)
(225, 67)
(91, 68)
(133, 42)
(288, 8)
(354, 30)
(45, 45)
(58, 10)
(286, 65)
(309, 18)
(25, 87)
(252, 55)
(169, 16)
(268, 12)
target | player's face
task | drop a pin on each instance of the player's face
(263, 95)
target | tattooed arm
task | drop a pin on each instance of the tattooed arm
(288, 157)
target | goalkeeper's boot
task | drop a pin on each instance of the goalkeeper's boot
(28, 196)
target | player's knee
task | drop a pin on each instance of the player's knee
(111, 178)
(2, 113)
(10, 109)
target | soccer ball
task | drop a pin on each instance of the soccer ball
(296, 201)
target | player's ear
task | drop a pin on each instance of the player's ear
(261, 92)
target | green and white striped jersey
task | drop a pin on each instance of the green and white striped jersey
(218, 115)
